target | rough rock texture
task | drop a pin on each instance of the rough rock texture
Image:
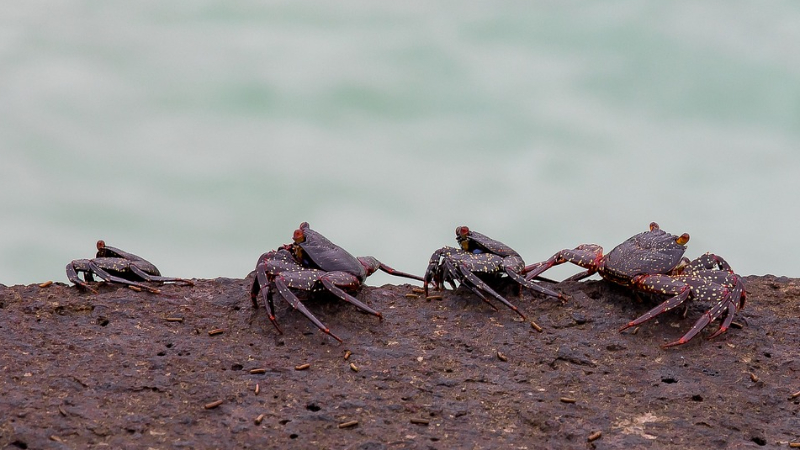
(81, 370)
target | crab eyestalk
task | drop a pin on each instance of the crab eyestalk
(462, 236)
(298, 236)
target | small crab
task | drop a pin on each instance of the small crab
(116, 266)
(312, 264)
(479, 257)
(653, 262)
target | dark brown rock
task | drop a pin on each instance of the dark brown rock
(78, 369)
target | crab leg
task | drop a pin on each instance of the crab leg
(398, 273)
(81, 265)
(729, 304)
(708, 261)
(586, 256)
(480, 284)
(451, 273)
(289, 296)
(330, 282)
(147, 277)
(471, 286)
(434, 274)
(707, 317)
(738, 293)
(261, 283)
(577, 276)
(533, 286)
(662, 284)
(108, 277)
(731, 310)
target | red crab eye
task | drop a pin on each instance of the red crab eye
(653, 226)
(298, 236)
(101, 244)
(462, 231)
(683, 239)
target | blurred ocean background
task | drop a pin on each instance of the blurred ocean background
(199, 134)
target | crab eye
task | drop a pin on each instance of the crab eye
(653, 226)
(298, 236)
(101, 244)
(683, 239)
(462, 231)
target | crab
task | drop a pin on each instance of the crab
(117, 266)
(478, 258)
(653, 262)
(313, 264)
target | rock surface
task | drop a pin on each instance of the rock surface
(119, 369)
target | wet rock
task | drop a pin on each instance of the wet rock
(79, 370)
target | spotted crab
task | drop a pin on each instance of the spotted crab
(117, 266)
(653, 262)
(477, 259)
(312, 263)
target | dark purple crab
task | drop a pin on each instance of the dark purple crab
(117, 266)
(278, 271)
(653, 262)
(479, 257)
(313, 264)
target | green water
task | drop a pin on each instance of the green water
(200, 134)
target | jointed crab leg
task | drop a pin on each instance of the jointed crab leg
(480, 284)
(261, 283)
(661, 284)
(438, 272)
(708, 261)
(524, 282)
(289, 296)
(731, 310)
(147, 277)
(443, 268)
(586, 256)
(698, 287)
(398, 273)
(727, 305)
(451, 269)
(331, 286)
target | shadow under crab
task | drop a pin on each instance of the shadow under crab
(653, 262)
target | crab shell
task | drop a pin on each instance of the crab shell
(324, 254)
(651, 252)
(474, 242)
